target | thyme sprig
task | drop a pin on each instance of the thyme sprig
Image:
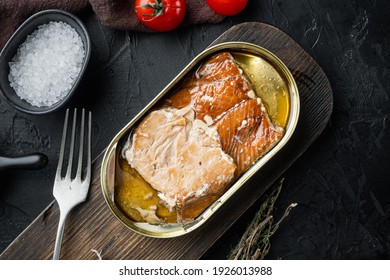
(255, 242)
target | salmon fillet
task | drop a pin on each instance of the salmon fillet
(247, 133)
(213, 89)
(205, 135)
(181, 158)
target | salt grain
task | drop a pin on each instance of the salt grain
(47, 64)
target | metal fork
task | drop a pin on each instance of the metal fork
(69, 191)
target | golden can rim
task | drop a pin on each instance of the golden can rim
(174, 230)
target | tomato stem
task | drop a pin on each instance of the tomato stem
(157, 6)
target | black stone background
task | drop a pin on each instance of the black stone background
(341, 184)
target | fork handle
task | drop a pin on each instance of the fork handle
(60, 233)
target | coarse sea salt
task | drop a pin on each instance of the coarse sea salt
(47, 64)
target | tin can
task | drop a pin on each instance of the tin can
(271, 80)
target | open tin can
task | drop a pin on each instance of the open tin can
(270, 79)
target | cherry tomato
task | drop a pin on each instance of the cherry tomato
(160, 15)
(227, 7)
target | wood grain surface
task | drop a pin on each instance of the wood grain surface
(91, 226)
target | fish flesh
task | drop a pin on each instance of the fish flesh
(247, 133)
(181, 158)
(213, 89)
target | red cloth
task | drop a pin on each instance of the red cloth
(118, 14)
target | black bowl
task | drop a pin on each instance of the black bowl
(20, 35)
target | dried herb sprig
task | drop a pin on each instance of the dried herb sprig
(255, 243)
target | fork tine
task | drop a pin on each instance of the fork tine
(70, 163)
(81, 147)
(88, 175)
(62, 149)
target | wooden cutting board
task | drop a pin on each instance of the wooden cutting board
(91, 226)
